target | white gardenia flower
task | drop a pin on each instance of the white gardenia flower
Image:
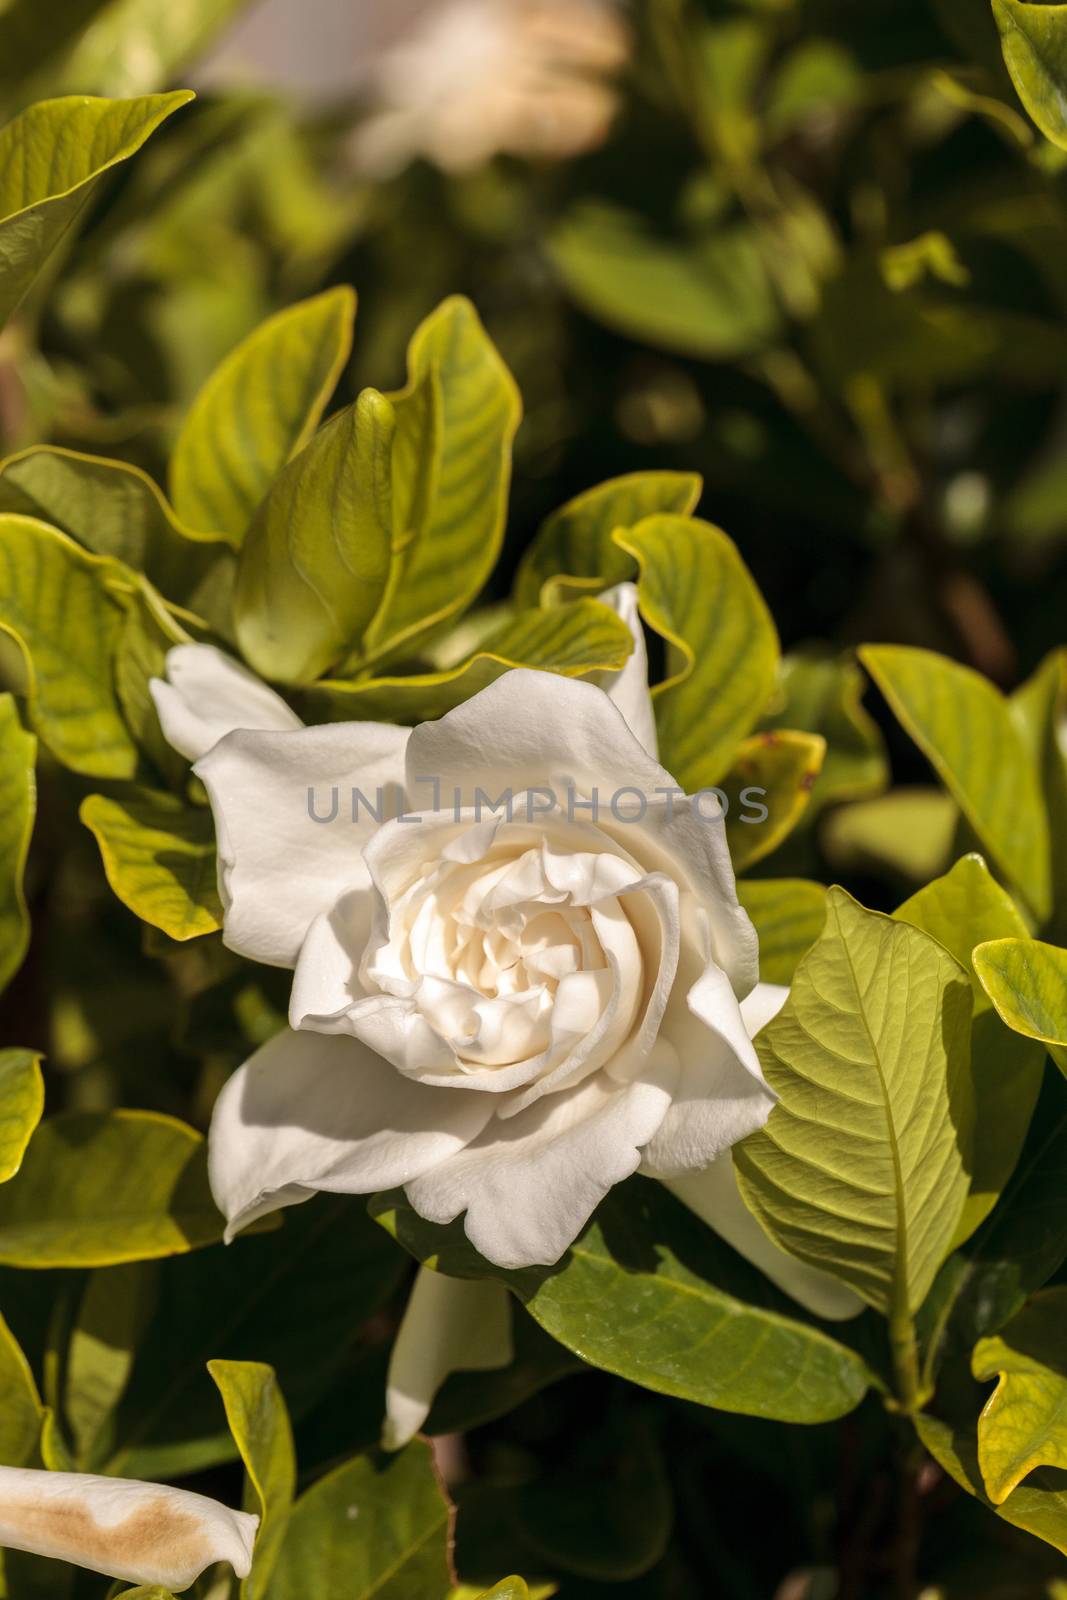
(506, 1017)
(143, 1533)
(475, 78)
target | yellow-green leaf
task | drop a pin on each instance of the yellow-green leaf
(21, 1105)
(824, 694)
(316, 559)
(574, 548)
(113, 1312)
(575, 640)
(50, 159)
(965, 729)
(450, 552)
(1023, 1424)
(722, 648)
(159, 857)
(17, 806)
(258, 409)
(769, 788)
(863, 1166)
(259, 1422)
(788, 914)
(906, 834)
(1034, 41)
(1040, 711)
(55, 603)
(1038, 1505)
(1027, 983)
(21, 1414)
(132, 46)
(100, 1187)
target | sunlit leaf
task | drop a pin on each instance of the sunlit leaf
(159, 857)
(769, 786)
(133, 46)
(112, 1315)
(259, 1422)
(1039, 1505)
(1027, 983)
(21, 1414)
(1021, 1426)
(824, 695)
(1034, 41)
(21, 1105)
(17, 805)
(788, 914)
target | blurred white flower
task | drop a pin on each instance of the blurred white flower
(143, 1533)
(477, 78)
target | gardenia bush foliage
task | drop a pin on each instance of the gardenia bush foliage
(506, 1068)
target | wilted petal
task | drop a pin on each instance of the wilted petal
(450, 1325)
(139, 1532)
(714, 1196)
(530, 1183)
(629, 687)
(310, 1111)
(279, 867)
(208, 694)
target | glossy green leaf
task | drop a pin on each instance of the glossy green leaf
(965, 729)
(574, 545)
(575, 640)
(1034, 41)
(649, 1293)
(259, 1422)
(788, 914)
(378, 1527)
(448, 552)
(824, 695)
(507, 1589)
(1027, 983)
(1023, 1425)
(293, 1298)
(111, 508)
(708, 297)
(315, 562)
(18, 751)
(112, 1315)
(133, 46)
(21, 1105)
(257, 410)
(768, 787)
(1039, 1505)
(150, 628)
(55, 603)
(906, 834)
(159, 857)
(21, 1414)
(863, 1167)
(101, 1187)
(960, 910)
(722, 649)
(1040, 711)
(50, 159)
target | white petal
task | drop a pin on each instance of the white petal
(450, 1325)
(530, 1183)
(310, 1112)
(763, 1005)
(208, 694)
(279, 867)
(714, 1196)
(139, 1532)
(629, 688)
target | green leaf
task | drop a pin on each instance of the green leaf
(314, 565)
(257, 411)
(112, 1315)
(1027, 983)
(965, 729)
(159, 857)
(50, 159)
(293, 1298)
(575, 640)
(133, 46)
(863, 1167)
(960, 910)
(824, 694)
(259, 1422)
(651, 1294)
(447, 554)
(150, 628)
(1023, 1425)
(55, 603)
(18, 751)
(1040, 711)
(101, 1187)
(111, 508)
(1039, 1506)
(22, 1414)
(574, 545)
(21, 1106)
(722, 649)
(507, 1589)
(708, 297)
(378, 1527)
(907, 834)
(772, 773)
(1034, 41)
(788, 914)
